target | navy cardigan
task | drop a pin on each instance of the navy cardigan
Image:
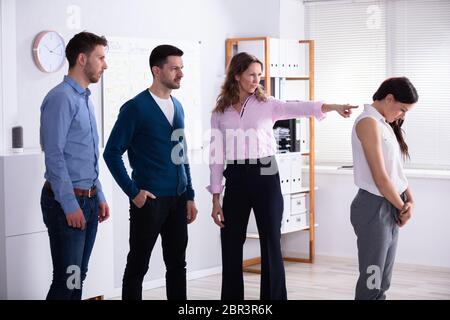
(156, 149)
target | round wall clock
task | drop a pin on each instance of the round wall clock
(49, 51)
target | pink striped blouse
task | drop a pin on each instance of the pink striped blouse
(249, 135)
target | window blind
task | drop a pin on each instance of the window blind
(358, 45)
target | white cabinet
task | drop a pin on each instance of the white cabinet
(296, 172)
(302, 134)
(25, 259)
(28, 266)
(298, 222)
(298, 218)
(287, 56)
(290, 172)
(294, 58)
(286, 212)
(284, 171)
(298, 203)
(291, 181)
(23, 179)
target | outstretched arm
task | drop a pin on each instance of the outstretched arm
(345, 110)
(282, 110)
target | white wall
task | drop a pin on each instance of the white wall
(1, 73)
(8, 80)
(425, 239)
(292, 24)
(3, 282)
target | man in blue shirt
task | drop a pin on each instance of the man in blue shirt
(151, 128)
(72, 200)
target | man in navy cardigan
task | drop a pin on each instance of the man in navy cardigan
(151, 128)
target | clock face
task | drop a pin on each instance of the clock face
(49, 51)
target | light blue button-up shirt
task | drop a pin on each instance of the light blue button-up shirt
(69, 139)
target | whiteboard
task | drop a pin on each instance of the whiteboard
(129, 73)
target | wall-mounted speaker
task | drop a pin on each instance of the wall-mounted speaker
(17, 139)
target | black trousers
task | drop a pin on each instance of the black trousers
(166, 216)
(252, 184)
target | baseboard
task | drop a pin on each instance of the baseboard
(161, 282)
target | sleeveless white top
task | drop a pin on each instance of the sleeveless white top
(391, 154)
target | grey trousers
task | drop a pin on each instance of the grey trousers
(374, 220)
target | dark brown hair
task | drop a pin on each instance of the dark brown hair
(229, 93)
(158, 56)
(83, 42)
(403, 91)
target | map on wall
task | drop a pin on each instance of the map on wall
(129, 74)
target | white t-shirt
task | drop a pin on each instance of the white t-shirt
(166, 106)
(391, 154)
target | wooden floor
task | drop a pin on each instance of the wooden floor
(329, 278)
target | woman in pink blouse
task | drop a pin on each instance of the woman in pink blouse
(242, 137)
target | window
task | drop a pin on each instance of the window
(358, 45)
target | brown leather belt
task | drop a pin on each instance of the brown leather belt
(77, 191)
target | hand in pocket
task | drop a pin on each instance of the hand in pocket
(141, 197)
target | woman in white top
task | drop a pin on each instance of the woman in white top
(384, 201)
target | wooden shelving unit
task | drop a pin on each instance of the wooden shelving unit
(231, 45)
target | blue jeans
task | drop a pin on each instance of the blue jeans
(70, 247)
